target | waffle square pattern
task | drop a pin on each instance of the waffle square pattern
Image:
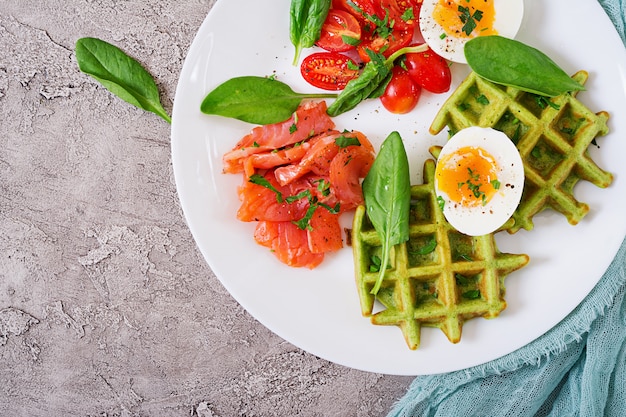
(553, 136)
(438, 278)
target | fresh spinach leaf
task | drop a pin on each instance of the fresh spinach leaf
(387, 194)
(305, 24)
(257, 100)
(372, 81)
(358, 89)
(513, 63)
(120, 74)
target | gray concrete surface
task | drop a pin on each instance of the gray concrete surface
(106, 306)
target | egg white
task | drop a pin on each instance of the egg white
(508, 19)
(484, 219)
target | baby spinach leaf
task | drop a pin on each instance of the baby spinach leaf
(374, 74)
(372, 82)
(253, 99)
(513, 63)
(305, 24)
(120, 74)
(387, 193)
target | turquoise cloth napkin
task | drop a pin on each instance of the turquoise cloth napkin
(576, 369)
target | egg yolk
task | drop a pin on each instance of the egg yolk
(468, 176)
(465, 18)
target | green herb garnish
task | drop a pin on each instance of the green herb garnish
(482, 99)
(469, 19)
(375, 262)
(349, 40)
(471, 295)
(345, 141)
(429, 247)
(263, 182)
(441, 202)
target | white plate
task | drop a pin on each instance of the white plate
(318, 310)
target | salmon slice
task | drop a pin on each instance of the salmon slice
(346, 170)
(272, 159)
(261, 203)
(317, 159)
(309, 119)
(234, 160)
(324, 234)
(288, 242)
(298, 176)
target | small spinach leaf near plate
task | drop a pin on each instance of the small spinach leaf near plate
(305, 24)
(387, 194)
(513, 63)
(252, 99)
(120, 74)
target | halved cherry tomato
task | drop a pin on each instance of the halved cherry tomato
(402, 93)
(384, 45)
(338, 25)
(403, 13)
(328, 70)
(429, 70)
(360, 9)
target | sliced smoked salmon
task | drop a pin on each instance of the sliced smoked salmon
(298, 176)
(310, 119)
(288, 242)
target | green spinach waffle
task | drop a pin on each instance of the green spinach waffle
(439, 278)
(553, 136)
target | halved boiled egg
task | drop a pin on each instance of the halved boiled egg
(446, 25)
(479, 180)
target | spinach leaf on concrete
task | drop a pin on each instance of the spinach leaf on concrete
(120, 74)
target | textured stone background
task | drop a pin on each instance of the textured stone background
(106, 306)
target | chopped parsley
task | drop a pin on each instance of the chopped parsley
(544, 102)
(382, 27)
(474, 186)
(429, 247)
(263, 182)
(471, 295)
(345, 141)
(304, 223)
(323, 187)
(349, 40)
(469, 19)
(482, 99)
(375, 263)
(441, 202)
(408, 14)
